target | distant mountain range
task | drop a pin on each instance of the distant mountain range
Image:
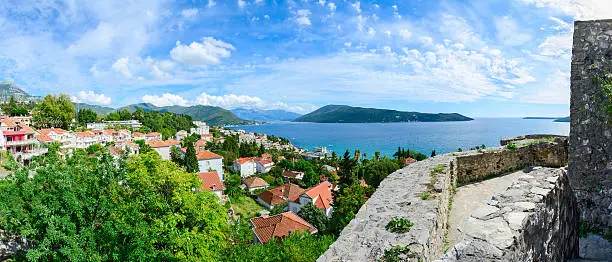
(349, 114)
(556, 119)
(212, 115)
(265, 115)
(8, 89)
(102, 110)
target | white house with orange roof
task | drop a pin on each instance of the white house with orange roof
(87, 138)
(207, 161)
(65, 138)
(138, 136)
(163, 148)
(211, 182)
(263, 165)
(153, 136)
(319, 195)
(245, 166)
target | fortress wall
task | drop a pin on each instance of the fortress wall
(590, 144)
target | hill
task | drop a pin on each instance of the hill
(265, 115)
(212, 115)
(349, 114)
(102, 110)
(8, 89)
(539, 117)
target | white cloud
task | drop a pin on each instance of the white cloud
(94, 42)
(91, 98)
(165, 100)
(302, 17)
(209, 51)
(555, 90)
(561, 25)
(458, 30)
(357, 7)
(332, 7)
(509, 33)
(122, 66)
(322, 2)
(189, 13)
(405, 34)
(578, 9)
(241, 3)
(211, 3)
(259, 2)
(557, 45)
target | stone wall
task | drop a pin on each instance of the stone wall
(476, 166)
(590, 144)
(365, 237)
(535, 219)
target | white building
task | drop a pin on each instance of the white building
(264, 165)
(245, 166)
(153, 136)
(208, 161)
(181, 134)
(163, 148)
(200, 129)
(319, 195)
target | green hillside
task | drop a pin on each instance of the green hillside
(102, 110)
(349, 114)
(212, 115)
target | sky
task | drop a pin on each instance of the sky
(480, 58)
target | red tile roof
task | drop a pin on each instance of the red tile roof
(279, 226)
(43, 138)
(211, 181)
(153, 134)
(410, 160)
(159, 143)
(205, 154)
(84, 134)
(254, 181)
(47, 131)
(243, 160)
(138, 134)
(286, 192)
(200, 143)
(292, 174)
(321, 194)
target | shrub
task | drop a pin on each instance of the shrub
(399, 225)
(438, 169)
(511, 146)
(424, 196)
(397, 254)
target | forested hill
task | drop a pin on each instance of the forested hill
(349, 114)
(212, 115)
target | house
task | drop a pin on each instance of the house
(409, 161)
(267, 228)
(65, 138)
(96, 126)
(263, 165)
(86, 139)
(129, 146)
(138, 136)
(212, 182)
(123, 135)
(207, 137)
(293, 174)
(153, 136)
(279, 195)
(108, 135)
(200, 129)
(207, 161)
(163, 148)
(245, 166)
(181, 134)
(22, 144)
(254, 183)
(201, 144)
(319, 195)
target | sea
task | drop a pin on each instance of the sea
(443, 137)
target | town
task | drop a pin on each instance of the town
(264, 183)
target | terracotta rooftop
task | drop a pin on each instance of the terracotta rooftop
(43, 138)
(159, 143)
(410, 160)
(254, 181)
(243, 160)
(277, 195)
(153, 134)
(138, 134)
(211, 181)
(292, 174)
(279, 226)
(321, 194)
(84, 134)
(48, 131)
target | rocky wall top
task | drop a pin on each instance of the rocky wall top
(590, 144)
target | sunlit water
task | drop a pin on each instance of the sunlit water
(444, 137)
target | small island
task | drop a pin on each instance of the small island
(349, 114)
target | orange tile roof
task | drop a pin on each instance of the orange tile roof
(292, 174)
(110, 132)
(159, 143)
(138, 134)
(410, 160)
(153, 134)
(211, 181)
(43, 138)
(26, 129)
(254, 181)
(243, 160)
(115, 151)
(323, 194)
(281, 194)
(47, 131)
(279, 226)
(84, 134)
(205, 154)
(200, 143)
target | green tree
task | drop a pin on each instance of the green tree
(315, 216)
(125, 115)
(86, 115)
(191, 160)
(95, 209)
(310, 178)
(346, 205)
(377, 170)
(346, 171)
(175, 155)
(54, 111)
(232, 185)
(279, 208)
(113, 116)
(13, 109)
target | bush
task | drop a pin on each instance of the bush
(511, 146)
(438, 169)
(399, 225)
(397, 254)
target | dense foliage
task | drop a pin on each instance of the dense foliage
(212, 115)
(13, 109)
(95, 209)
(346, 206)
(315, 217)
(54, 111)
(191, 160)
(163, 122)
(376, 170)
(86, 115)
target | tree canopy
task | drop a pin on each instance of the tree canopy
(54, 111)
(93, 209)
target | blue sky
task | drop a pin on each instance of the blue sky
(482, 58)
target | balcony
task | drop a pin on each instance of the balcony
(21, 142)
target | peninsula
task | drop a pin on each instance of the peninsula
(349, 114)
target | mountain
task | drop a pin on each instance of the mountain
(212, 115)
(265, 115)
(539, 117)
(563, 119)
(102, 110)
(349, 114)
(8, 89)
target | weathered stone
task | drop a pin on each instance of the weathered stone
(485, 212)
(515, 219)
(525, 206)
(494, 231)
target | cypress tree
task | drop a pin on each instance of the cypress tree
(191, 160)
